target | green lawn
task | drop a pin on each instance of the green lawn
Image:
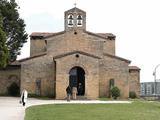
(138, 110)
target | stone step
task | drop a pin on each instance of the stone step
(81, 98)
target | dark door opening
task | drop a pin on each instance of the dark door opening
(77, 79)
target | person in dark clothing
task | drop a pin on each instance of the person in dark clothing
(68, 90)
(80, 89)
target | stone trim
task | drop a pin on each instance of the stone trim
(44, 35)
(134, 68)
(55, 34)
(74, 52)
(11, 67)
(109, 37)
(35, 56)
(116, 57)
(77, 65)
(75, 9)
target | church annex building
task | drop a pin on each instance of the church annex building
(72, 57)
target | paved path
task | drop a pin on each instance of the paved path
(10, 109)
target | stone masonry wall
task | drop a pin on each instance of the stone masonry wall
(69, 41)
(134, 82)
(38, 69)
(111, 68)
(7, 77)
(37, 46)
(91, 68)
(109, 47)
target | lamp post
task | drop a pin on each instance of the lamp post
(154, 74)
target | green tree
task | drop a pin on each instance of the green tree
(3, 47)
(14, 28)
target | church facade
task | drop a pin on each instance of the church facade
(74, 57)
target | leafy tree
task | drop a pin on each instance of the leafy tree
(3, 47)
(14, 28)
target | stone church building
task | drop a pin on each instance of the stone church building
(74, 57)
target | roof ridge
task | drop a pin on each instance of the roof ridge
(35, 56)
(101, 36)
(114, 56)
(73, 52)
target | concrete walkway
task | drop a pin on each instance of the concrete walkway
(10, 109)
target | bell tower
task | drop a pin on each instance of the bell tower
(75, 19)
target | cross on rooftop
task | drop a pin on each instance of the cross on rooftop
(75, 4)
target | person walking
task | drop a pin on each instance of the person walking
(68, 91)
(24, 96)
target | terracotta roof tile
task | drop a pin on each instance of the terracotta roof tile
(35, 56)
(15, 63)
(41, 34)
(76, 52)
(106, 34)
(117, 57)
(49, 34)
(102, 35)
(134, 68)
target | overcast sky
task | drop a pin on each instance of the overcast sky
(136, 24)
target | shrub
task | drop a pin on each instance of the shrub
(13, 89)
(115, 92)
(33, 95)
(132, 94)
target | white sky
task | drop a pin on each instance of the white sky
(136, 24)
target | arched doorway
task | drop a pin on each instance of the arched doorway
(77, 79)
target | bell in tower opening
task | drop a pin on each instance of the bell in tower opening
(75, 18)
(70, 20)
(79, 20)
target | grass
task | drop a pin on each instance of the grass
(138, 110)
(104, 98)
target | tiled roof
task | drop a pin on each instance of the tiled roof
(15, 63)
(109, 36)
(76, 52)
(106, 35)
(134, 68)
(75, 9)
(42, 35)
(117, 57)
(35, 56)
